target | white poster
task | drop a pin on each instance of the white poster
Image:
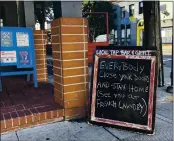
(8, 57)
(22, 39)
(6, 39)
(163, 33)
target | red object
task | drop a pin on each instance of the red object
(92, 46)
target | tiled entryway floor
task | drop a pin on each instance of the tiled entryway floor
(22, 105)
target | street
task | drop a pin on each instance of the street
(167, 60)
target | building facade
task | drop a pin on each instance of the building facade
(128, 15)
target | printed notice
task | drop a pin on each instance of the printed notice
(6, 39)
(22, 39)
(8, 56)
(24, 58)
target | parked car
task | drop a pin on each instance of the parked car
(103, 38)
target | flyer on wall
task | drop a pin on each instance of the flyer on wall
(6, 39)
(22, 39)
(8, 57)
(24, 58)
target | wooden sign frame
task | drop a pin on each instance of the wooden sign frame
(102, 52)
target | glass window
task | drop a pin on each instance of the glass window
(122, 12)
(131, 10)
(116, 34)
(128, 31)
(122, 33)
(140, 7)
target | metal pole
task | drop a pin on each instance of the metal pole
(107, 26)
(161, 71)
(170, 88)
(125, 39)
(172, 63)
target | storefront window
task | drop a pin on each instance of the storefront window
(131, 10)
(140, 7)
(122, 12)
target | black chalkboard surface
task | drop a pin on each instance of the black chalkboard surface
(123, 89)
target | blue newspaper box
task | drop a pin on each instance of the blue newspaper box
(17, 51)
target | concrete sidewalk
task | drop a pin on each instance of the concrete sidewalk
(80, 130)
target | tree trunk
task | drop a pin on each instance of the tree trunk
(152, 32)
(152, 29)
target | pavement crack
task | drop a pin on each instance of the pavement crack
(17, 135)
(164, 118)
(112, 134)
(76, 137)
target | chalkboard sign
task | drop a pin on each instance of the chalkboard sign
(123, 88)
